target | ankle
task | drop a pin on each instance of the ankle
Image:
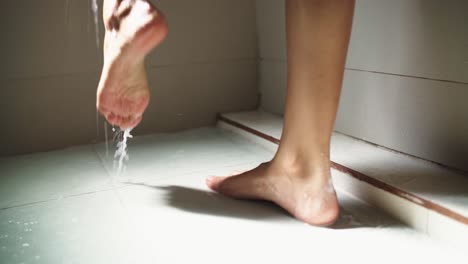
(304, 166)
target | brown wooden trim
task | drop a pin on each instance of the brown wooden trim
(362, 177)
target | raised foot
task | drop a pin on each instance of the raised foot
(133, 29)
(310, 198)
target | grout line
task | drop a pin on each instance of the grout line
(223, 61)
(97, 71)
(273, 60)
(114, 188)
(408, 76)
(60, 198)
(108, 176)
(362, 177)
(377, 72)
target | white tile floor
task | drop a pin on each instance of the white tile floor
(67, 207)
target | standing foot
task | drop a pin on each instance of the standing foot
(308, 197)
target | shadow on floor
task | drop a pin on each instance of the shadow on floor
(354, 215)
(211, 203)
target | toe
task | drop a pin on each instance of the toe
(111, 118)
(135, 121)
(214, 182)
(130, 121)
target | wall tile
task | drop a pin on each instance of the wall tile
(33, 41)
(272, 85)
(420, 117)
(271, 27)
(417, 38)
(83, 50)
(207, 31)
(47, 113)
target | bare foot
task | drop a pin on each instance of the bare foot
(309, 198)
(133, 29)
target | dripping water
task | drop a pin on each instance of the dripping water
(95, 9)
(121, 155)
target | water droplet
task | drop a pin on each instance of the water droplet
(10, 222)
(6, 235)
(4, 248)
(26, 224)
(18, 223)
(37, 257)
(25, 245)
(31, 223)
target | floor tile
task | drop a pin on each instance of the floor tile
(160, 156)
(448, 230)
(50, 175)
(89, 228)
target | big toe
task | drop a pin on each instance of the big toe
(214, 182)
(242, 186)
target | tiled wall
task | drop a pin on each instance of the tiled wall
(51, 67)
(406, 82)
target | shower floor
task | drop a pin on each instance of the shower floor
(68, 206)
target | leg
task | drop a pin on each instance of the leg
(298, 178)
(133, 29)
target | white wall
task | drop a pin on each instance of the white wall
(51, 67)
(406, 79)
